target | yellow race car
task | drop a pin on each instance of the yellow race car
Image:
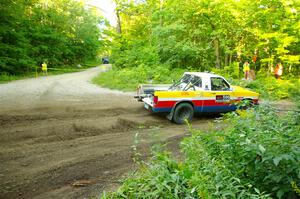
(194, 92)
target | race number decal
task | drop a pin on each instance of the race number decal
(185, 93)
(223, 98)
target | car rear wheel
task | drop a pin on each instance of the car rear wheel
(182, 112)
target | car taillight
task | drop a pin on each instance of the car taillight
(155, 100)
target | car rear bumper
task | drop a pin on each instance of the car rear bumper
(149, 105)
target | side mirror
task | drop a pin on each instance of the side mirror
(230, 89)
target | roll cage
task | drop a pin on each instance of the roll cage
(186, 82)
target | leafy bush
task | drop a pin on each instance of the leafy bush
(258, 150)
(273, 89)
(255, 154)
(163, 178)
(129, 78)
(5, 77)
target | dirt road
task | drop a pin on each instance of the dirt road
(63, 137)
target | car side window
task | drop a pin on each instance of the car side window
(219, 84)
(196, 81)
(186, 79)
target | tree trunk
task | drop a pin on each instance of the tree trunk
(119, 27)
(161, 9)
(117, 10)
(217, 52)
(226, 60)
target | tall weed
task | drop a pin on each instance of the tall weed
(258, 151)
(255, 155)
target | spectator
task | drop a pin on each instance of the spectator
(278, 70)
(246, 69)
(44, 68)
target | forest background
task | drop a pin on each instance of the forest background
(255, 153)
(157, 40)
(207, 34)
(62, 33)
(200, 35)
(255, 156)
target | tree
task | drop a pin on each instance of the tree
(59, 32)
(205, 34)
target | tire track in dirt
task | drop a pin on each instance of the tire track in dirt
(80, 136)
(47, 157)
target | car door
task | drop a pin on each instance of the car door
(219, 97)
(191, 92)
(198, 93)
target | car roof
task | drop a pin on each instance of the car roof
(202, 74)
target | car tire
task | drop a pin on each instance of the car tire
(182, 112)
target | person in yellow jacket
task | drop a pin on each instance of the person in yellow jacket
(246, 69)
(44, 68)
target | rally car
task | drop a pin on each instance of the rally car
(200, 92)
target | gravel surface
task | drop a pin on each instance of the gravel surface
(63, 137)
(45, 90)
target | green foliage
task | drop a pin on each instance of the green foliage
(63, 32)
(6, 77)
(206, 34)
(163, 178)
(92, 63)
(255, 155)
(273, 89)
(128, 54)
(258, 150)
(129, 78)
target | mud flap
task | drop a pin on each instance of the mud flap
(170, 115)
(139, 98)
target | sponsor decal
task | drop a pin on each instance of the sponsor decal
(222, 98)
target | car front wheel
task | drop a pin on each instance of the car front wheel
(182, 112)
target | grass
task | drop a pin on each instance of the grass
(7, 78)
(272, 89)
(128, 79)
(4, 77)
(92, 63)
